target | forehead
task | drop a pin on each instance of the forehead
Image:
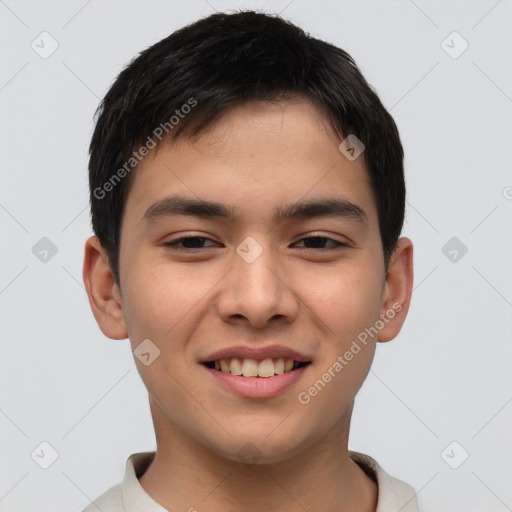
(256, 158)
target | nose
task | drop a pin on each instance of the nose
(258, 292)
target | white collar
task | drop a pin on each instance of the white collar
(394, 495)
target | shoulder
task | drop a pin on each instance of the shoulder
(394, 494)
(109, 501)
(128, 495)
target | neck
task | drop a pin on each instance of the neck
(186, 475)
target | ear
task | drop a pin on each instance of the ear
(396, 295)
(104, 296)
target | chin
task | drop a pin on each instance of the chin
(258, 448)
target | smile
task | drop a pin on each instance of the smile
(249, 383)
(252, 368)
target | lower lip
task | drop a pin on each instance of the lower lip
(258, 387)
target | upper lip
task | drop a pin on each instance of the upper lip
(258, 353)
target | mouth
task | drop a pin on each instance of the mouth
(253, 368)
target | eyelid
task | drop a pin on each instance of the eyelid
(335, 244)
(174, 243)
(319, 234)
(187, 236)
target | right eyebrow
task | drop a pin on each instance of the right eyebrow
(181, 205)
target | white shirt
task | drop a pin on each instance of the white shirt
(129, 496)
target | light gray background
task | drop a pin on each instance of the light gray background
(445, 378)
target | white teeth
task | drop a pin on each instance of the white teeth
(236, 366)
(266, 368)
(251, 368)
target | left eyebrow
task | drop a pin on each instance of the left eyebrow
(329, 207)
(315, 208)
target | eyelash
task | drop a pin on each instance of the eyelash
(174, 244)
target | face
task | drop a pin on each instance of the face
(240, 288)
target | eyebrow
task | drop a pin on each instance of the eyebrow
(314, 208)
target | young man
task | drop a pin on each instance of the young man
(247, 197)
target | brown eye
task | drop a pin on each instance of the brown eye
(188, 243)
(319, 242)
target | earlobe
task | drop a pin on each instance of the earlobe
(396, 296)
(104, 297)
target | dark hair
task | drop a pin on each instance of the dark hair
(224, 60)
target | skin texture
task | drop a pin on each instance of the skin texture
(256, 157)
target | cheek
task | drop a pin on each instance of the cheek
(160, 298)
(349, 306)
(346, 304)
(161, 307)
